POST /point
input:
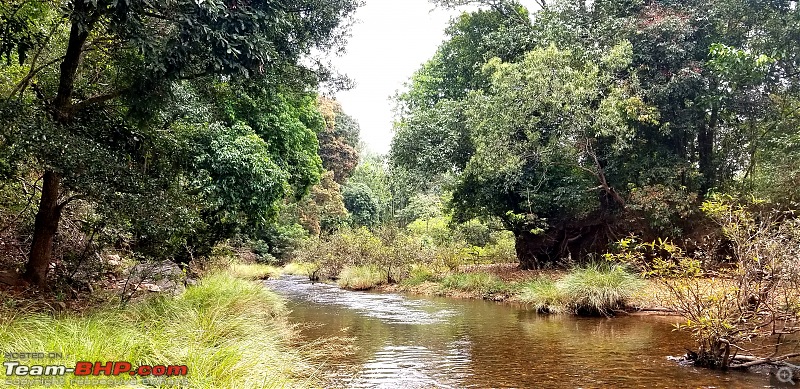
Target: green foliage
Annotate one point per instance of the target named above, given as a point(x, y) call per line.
point(419, 274)
point(362, 205)
point(666, 209)
point(431, 140)
point(521, 164)
point(372, 172)
point(659, 258)
point(178, 124)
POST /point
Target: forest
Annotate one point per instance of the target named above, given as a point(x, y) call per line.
point(601, 150)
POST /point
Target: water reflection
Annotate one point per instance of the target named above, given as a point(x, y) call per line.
point(406, 342)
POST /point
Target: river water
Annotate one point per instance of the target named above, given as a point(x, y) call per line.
point(429, 342)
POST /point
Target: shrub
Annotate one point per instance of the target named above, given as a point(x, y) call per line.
point(598, 289)
point(361, 277)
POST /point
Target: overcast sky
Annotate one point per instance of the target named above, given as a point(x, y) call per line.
point(391, 39)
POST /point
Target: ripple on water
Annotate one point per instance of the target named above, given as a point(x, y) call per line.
point(388, 307)
point(413, 367)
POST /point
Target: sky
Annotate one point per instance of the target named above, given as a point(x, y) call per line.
point(390, 40)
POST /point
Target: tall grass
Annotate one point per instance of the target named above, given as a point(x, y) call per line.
point(482, 283)
point(306, 269)
point(361, 277)
point(597, 289)
point(542, 295)
point(231, 333)
point(254, 271)
point(419, 274)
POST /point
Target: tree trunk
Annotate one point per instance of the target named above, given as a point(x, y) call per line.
point(45, 229)
point(574, 239)
point(49, 213)
point(535, 251)
point(705, 148)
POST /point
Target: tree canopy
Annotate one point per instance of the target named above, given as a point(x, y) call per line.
point(196, 112)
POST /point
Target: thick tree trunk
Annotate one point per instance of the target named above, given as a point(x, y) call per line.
point(45, 228)
point(574, 239)
point(49, 213)
point(533, 251)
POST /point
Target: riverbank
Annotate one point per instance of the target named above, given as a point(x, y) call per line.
point(620, 291)
point(226, 329)
point(506, 283)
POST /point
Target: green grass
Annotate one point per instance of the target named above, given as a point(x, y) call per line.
point(301, 268)
point(254, 271)
point(231, 333)
point(482, 283)
point(598, 289)
point(361, 277)
point(542, 295)
point(420, 274)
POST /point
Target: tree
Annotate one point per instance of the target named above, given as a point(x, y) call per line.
point(702, 103)
point(323, 210)
point(101, 95)
point(372, 171)
point(431, 140)
point(338, 141)
point(543, 165)
point(362, 205)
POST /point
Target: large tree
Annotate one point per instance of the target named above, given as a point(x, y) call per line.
point(97, 104)
point(708, 100)
point(431, 141)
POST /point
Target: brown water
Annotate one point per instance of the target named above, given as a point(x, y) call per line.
point(416, 342)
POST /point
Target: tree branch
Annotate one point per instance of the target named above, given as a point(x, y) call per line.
point(96, 100)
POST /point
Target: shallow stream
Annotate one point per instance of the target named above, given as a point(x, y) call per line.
point(431, 342)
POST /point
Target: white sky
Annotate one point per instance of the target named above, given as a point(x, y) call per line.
point(390, 40)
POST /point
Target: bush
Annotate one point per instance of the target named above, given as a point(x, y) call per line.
point(361, 277)
point(598, 289)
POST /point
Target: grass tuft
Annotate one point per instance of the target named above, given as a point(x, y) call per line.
point(598, 289)
point(361, 277)
point(254, 271)
point(305, 269)
point(419, 274)
point(231, 333)
point(483, 283)
point(542, 295)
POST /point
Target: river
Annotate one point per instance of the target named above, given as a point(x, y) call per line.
point(430, 342)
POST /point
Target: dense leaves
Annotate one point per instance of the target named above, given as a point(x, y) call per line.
point(179, 122)
point(602, 117)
